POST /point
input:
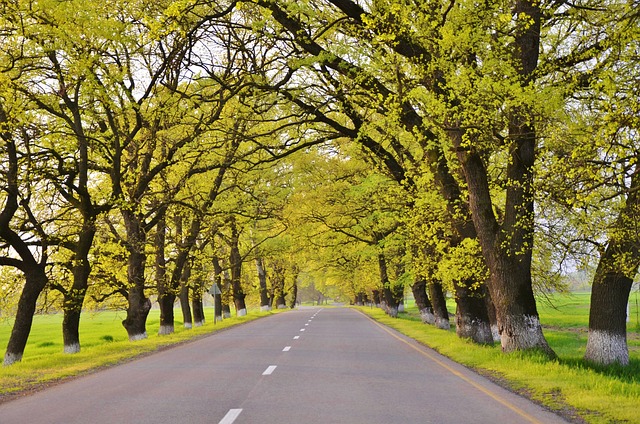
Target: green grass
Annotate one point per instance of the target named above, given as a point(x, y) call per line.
point(104, 342)
point(594, 394)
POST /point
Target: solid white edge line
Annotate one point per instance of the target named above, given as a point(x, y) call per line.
point(270, 369)
point(231, 416)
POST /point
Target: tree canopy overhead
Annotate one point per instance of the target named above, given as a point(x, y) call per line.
point(367, 146)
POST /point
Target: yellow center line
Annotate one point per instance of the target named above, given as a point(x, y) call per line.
point(457, 373)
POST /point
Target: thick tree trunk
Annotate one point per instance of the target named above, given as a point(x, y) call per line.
point(227, 295)
point(377, 298)
point(491, 310)
point(507, 246)
point(139, 305)
point(265, 302)
point(34, 273)
point(419, 290)
point(35, 281)
point(612, 282)
point(197, 305)
point(277, 285)
point(198, 309)
point(294, 293)
point(187, 318)
point(439, 305)
point(166, 296)
point(74, 298)
point(607, 342)
point(217, 299)
point(472, 319)
point(391, 303)
point(235, 261)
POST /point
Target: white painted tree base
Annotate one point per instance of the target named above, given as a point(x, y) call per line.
point(282, 306)
point(478, 331)
point(443, 324)
point(187, 325)
point(72, 348)
point(265, 308)
point(242, 312)
point(427, 316)
point(12, 358)
point(401, 307)
point(495, 332)
point(227, 314)
point(523, 333)
point(198, 323)
point(393, 312)
point(165, 329)
point(604, 348)
point(137, 337)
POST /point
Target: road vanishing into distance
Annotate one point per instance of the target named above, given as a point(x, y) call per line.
point(310, 365)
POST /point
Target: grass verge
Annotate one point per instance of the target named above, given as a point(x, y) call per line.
point(104, 343)
point(576, 390)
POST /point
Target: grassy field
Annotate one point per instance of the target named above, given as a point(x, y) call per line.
point(568, 385)
point(104, 342)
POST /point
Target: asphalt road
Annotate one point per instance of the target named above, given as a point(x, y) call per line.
point(306, 366)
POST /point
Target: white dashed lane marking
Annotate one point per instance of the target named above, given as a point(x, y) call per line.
point(270, 369)
point(231, 416)
point(286, 349)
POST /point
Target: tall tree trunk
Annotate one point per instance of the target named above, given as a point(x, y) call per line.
point(294, 293)
point(391, 303)
point(265, 302)
point(184, 296)
point(227, 294)
point(235, 261)
point(472, 318)
point(277, 284)
point(612, 282)
point(507, 247)
point(166, 296)
point(34, 272)
point(35, 281)
point(377, 301)
point(217, 299)
point(74, 298)
point(439, 303)
point(419, 290)
point(138, 305)
point(196, 300)
point(491, 310)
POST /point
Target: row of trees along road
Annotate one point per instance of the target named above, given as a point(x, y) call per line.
point(152, 148)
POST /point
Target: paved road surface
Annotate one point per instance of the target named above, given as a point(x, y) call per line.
point(306, 366)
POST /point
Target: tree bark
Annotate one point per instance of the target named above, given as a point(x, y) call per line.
point(612, 282)
point(217, 299)
point(139, 305)
point(235, 261)
point(278, 284)
point(34, 272)
point(419, 290)
point(265, 302)
point(74, 298)
point(439, 305)
point(472, 318)
point(185, 288)
point(35, 281)
point(166, 296)
point(391, 303)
